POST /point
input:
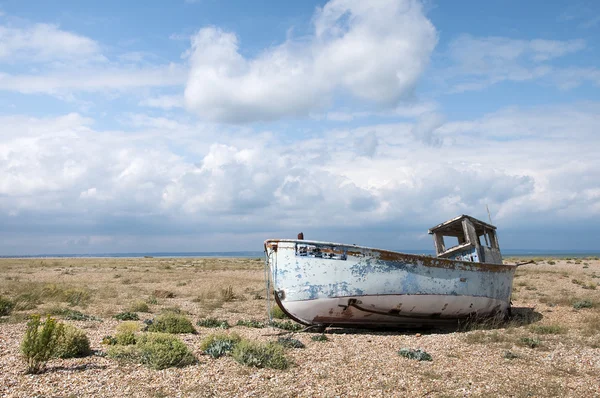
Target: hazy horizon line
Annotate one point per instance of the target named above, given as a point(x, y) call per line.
point(258, 253)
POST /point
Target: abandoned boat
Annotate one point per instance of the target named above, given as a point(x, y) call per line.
point(334, 284)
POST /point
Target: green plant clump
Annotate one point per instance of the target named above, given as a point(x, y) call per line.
point(126, 333)
point(139, 306)
point(6, 306)
point(72, 315)
point(127, 316)
point(583, 304)
point(219, 344)
point(260, 355)
point(109, 340)
point(129, 353)
point(161, 351)
point(319, 337)
point(213, 323)
point(252, 323)
point(289, 342)
point(548, 329)
point(417, 354)
point(73, 343)
point(171, 323)
point(531, 342)
point(287, 325)
point(155, 350)
point(278, 313)
point(40, 342)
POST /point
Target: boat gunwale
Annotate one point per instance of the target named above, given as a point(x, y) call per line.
point(437, 262)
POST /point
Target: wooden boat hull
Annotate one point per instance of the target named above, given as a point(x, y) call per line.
point(322, 283)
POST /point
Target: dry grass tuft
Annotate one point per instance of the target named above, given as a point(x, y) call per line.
point(159, 293)
point(548, 329)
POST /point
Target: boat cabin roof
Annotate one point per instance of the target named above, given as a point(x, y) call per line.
point(454, 226)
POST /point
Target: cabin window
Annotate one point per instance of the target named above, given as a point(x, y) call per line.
point(450, 241)
point(484, 240)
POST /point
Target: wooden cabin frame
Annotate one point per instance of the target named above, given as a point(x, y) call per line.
point(477, 240)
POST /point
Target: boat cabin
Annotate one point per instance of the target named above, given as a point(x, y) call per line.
point(466, 238)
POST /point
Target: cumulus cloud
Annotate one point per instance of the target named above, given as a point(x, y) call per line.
point(374, 52)
point(71, 177)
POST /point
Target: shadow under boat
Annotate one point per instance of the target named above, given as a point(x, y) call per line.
point(519, 316)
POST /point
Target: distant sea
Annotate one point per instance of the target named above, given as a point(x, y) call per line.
point(255, 254)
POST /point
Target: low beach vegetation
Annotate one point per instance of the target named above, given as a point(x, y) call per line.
point(155, 350)
point(127, 316)
point(171, 323)
point(287, 325)
point(548, 329)
point(319, 337)
point(72, 343)
point(290, 342)
point(40, 342)
point(126, 331)
point(251, 323)
point(417, 354)
point(70, 314)
point(278, 313)
point(6, 306)
point(260, 355)
point(531, 342)
point(213, 323)
point(139, 306)
point(219, 344)
point(583, 304)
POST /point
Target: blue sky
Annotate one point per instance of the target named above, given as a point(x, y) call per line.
point(212, 125)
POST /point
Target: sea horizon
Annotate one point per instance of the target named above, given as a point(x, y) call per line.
point(255, 254)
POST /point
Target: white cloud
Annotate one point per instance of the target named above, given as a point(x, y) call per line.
point(568, 78)
point(94, 80)
point(484, 53)
point(45, 42)
point(159, 123)
point(478, 62)
point(528, 165)
point(164, 102)
point(408, 110)
point(42, 58)
point(544, 50)
point(374, 52)
point(425, 128)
